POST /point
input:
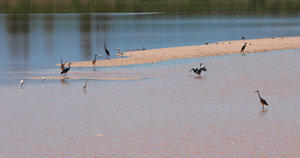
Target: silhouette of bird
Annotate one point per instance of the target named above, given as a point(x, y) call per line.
point(94, 61)
point(198, 71)
point(244, 46)
point(243, 37)
point(106, 51)
point(85, 85)
point(65, 71)
point(262, 101)
point(21, 82)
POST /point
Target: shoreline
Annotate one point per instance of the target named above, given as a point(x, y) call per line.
point(213, 49)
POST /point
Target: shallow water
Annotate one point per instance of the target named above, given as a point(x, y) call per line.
point(168, 113)
point(35, 42)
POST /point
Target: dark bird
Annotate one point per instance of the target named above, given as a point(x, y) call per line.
point(106, 51)
point(144, 48)
point(22, 82)
point(244, 46)
point(243, 37)
point(262, 101)
point(65, 71)
point(85, 85)
point(198, 71)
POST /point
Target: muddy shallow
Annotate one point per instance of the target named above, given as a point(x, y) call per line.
point(168, 112)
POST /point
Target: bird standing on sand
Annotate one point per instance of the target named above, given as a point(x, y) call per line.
point(106, 51)
point(244, 46)
point(65, 71)
point(262, 101)
point(21, 82)
point(198, 71)
point(94, 61)
point(85, 85)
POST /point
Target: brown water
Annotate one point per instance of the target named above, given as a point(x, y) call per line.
point(168, 113)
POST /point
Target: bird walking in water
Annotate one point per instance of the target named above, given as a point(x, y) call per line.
point(262, 101)
point(65, 71)
point(198, 71)
point(84, 87)
point(22, 82)
point(62, 67)
point(43, 78)
point(106, 51)
point(244, 46)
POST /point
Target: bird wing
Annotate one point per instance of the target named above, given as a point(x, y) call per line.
point(203, 68)
point(264, 101)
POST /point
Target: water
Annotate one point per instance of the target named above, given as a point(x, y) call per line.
point(169, 112)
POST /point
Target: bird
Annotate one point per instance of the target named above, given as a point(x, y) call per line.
point(21, 82)
point(84, 87)
point(61, 65)
point(94, 61)
point(243, 37)
point(106, 51)
point(120, 53)
point(43, 78)
point(198, 71)
point(144, 48)
point(262, 101)
point(244, 46)
point(65, 71)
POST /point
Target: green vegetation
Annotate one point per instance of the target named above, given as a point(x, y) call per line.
point(283, 7)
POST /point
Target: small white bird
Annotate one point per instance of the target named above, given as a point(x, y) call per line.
point(44, 78)
point(21, 83)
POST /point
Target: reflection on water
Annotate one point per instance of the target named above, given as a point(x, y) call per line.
point(169, 113)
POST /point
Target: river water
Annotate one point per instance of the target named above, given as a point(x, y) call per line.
point(169, 112)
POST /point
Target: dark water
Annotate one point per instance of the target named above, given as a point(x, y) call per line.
point(38, 41)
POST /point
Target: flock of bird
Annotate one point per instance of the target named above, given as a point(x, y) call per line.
point(196, 70)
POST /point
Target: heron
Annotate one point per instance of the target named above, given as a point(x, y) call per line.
point(262, 101)
point(21, 82)
point(62, 67)
point(65, 71)
point(244, 46)
point(198, 71)
point(94, 61)
point(106, 51)
point(85, 85)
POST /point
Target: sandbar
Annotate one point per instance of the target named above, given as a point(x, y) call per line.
point(206, 50)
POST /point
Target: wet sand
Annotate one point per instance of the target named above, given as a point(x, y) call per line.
point(213, 49)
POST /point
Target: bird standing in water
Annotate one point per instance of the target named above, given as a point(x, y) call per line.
point(22, 82)
point(84, 88)
point(262, 101)
point(106, 51)
point(244, 46)
point(62, 67)
point(65, 71)
point(198, 71)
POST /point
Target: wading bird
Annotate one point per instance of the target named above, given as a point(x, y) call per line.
point(84, 87)
point(244, 46)
point(21, 83)
point(43, 78)
point(106, 51)
point(198, 71)
point(62, 67)
point(65, 71)
point(120, 53)
point(262, 101)
point(94, 61)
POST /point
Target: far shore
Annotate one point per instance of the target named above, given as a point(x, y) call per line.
point(212, 49)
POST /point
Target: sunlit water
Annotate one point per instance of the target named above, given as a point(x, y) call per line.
point(168, 113)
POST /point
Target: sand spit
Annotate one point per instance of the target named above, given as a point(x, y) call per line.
point(213, 49)
point(89, 78)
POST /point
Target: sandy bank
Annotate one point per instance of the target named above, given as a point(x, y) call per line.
point(213, 49)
